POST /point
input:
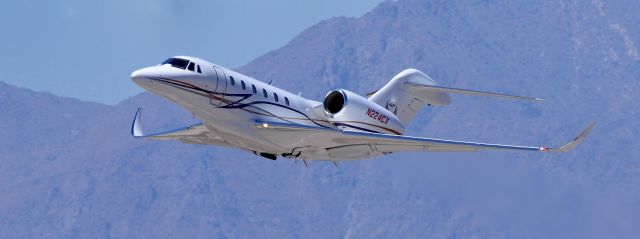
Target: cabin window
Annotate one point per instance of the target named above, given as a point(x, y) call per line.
point(191, 66)
point(243, 85)
point(233, 81)
point(286, 101)
point(275, 96)
point(199, 71)
point(254, 88)
point(264, 92)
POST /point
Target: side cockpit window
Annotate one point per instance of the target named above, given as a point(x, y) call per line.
point(182, 64)
point(177, 63)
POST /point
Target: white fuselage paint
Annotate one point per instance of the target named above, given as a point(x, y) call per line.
point(231, 111)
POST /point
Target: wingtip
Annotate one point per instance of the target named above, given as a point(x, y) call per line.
point(573, 143)
point(135, 125)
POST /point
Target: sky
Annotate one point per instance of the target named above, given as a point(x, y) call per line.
point(87, 49)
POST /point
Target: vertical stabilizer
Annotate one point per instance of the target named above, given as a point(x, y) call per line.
point(405, 101)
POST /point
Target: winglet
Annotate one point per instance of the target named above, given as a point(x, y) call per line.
point(573, 143)
point(136, 130)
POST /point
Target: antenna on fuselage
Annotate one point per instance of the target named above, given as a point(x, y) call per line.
point(271, 81)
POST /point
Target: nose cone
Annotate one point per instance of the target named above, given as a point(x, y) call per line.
point(142, 76)
point(136, 75)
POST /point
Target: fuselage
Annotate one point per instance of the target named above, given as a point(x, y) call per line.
point(230, 104)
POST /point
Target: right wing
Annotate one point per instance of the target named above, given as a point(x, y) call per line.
point(191, 134)
point(386, 143)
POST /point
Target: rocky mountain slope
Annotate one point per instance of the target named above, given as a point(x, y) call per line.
point(69, 169)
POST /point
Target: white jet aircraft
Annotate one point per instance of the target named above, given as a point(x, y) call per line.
point(239, 111)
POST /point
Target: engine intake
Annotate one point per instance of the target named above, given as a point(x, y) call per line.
point(334, 102)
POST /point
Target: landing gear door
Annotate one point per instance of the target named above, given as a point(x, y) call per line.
point(221, 87)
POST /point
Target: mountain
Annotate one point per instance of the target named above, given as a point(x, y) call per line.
point(69, 169)
point(581, 57)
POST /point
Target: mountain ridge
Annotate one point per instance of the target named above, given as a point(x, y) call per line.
point(82, 175)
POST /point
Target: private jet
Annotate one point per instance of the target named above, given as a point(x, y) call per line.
point(242, 112)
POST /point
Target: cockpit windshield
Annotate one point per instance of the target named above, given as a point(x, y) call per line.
point(177, 62)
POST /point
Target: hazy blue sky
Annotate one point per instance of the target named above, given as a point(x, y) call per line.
point(87, 48)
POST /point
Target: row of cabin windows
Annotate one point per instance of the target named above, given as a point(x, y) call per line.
point(255, 90)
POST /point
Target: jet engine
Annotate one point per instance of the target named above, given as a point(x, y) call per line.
point(348, 110)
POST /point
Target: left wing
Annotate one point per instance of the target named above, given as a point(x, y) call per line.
point(386, 143)
point(191, 134)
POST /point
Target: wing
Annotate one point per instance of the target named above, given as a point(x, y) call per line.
point(385, 143)
point(191, 134)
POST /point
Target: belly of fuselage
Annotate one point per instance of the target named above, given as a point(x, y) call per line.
point(235, 125)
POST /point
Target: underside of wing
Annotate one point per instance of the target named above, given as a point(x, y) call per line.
point(191, 134)
point(355, 143)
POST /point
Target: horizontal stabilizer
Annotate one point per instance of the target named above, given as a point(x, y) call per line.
point(434, 88)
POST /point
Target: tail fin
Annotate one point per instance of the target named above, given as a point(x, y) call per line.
point(410, 90)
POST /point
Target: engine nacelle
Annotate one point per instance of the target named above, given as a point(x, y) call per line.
point(346, 109)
